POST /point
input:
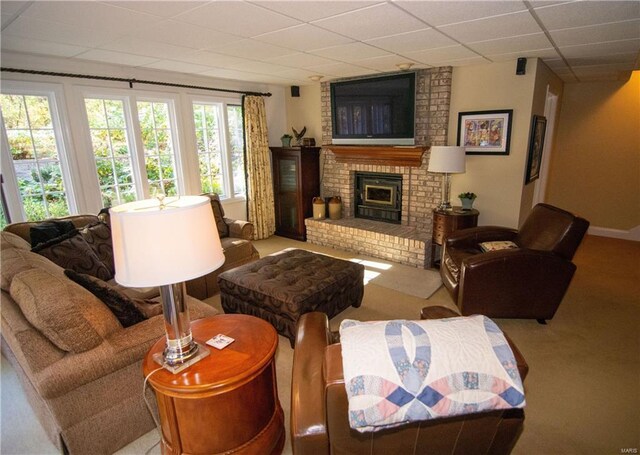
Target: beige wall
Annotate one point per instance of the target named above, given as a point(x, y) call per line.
point(595, 166)
point(546, 80)
point(305, 110)
point(497, 179)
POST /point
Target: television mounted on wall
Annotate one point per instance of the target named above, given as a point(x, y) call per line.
point(376, 110)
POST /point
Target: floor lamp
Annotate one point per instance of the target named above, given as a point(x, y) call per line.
point(165, 243)
point(446, 159)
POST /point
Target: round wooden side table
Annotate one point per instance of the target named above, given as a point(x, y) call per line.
point(229, 400)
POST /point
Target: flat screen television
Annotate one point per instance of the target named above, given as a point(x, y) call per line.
point(377, 110)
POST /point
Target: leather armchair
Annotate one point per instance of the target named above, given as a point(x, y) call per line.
point(319, 408)
point(527, 282)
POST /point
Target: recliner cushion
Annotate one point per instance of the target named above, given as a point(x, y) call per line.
point(236, 249)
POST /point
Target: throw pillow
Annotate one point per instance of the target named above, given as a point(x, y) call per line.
point(120, 305)
point(71, 251)
point(98, 236)
point(49, 230)
point(497, 245)
point(69, 316)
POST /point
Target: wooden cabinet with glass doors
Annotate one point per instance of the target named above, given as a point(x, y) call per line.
point(296, 181)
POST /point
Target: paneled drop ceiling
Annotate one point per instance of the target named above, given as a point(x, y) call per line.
point(286, 42)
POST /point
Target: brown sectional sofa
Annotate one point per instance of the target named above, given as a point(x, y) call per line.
point(80, 369)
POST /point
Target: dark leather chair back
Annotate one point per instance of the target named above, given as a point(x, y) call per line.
point(548, 228)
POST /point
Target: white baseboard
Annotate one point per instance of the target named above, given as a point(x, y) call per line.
point(631, 234)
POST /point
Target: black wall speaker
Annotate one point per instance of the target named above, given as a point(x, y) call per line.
point(295, 91)
point(520, 67)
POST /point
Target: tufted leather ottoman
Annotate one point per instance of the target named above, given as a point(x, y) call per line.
point(281, 287)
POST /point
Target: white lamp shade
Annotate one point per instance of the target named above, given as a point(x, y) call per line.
point(447, 158)
point(154, 246)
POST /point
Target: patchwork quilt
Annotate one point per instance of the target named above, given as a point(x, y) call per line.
point(404, 371)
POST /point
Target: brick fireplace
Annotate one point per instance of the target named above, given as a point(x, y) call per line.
point(409, 241)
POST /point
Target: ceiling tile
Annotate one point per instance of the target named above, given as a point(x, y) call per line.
point(238, 18)
point(601, 49)
point(32, 46)
point(372, 22)
point(308, 11)
point(388, 63)
point(597, 33)
point(158, 8)
point(180, 67)
point(29, 27)
point(146, 47)
point(183, 34)
point(211, 59)
point(231, 74)
point(493, 28)
point(436, 13)
point(297, 74)
point(98, 17)
point(258, 67)
point(10, 8)
point(541, 53)
point(577, 14)
point(555, 63)
point(300, 59)
point(462, 62)
point(252, 49)
point(603, 59)
point(442, 54)
point(304, 37)
point(340, 70)
point(119, 58)
point(350, 52)
point(513, 44)
point(412, 41)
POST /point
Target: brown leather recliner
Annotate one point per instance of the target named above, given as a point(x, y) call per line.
point(319, 408)
point(527, 282)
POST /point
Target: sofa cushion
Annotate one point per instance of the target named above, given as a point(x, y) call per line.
point(98, 236)
point(120, 305)
point(236, 249)
point(16, 260)
point(71, 251)
point(68, 315)
point(9, 240)
point(49, 230)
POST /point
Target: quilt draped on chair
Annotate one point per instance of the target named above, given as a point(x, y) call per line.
point(260, 205)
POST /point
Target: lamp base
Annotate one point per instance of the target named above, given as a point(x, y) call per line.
point(201, 353)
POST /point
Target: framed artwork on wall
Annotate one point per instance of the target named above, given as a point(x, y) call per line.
point(536, 145)
point(485, 132)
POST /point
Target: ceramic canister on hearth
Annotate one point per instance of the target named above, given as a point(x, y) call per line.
point(335, 208)
point(319, 208)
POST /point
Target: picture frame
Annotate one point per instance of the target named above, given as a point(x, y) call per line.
point(485, 132)
point(536, 147)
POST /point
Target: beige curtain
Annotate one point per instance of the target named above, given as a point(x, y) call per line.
point(260, 205)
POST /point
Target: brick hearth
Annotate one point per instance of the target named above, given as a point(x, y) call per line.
point(403, 244)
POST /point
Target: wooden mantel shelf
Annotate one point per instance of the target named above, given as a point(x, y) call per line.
point(385, 155)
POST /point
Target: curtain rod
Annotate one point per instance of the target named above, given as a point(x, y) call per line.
point(130, 81)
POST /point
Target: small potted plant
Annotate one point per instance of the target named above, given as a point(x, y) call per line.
point(286, 140)
point(467, 200)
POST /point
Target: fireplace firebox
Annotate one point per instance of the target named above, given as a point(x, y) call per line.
point(378, 196)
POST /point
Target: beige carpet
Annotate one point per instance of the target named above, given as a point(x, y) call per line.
point(583, 386)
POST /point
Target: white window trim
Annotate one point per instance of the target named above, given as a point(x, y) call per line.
point(134, 139)
point(59, 120)
point(221, 103)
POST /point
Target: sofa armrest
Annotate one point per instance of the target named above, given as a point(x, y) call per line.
point(308, 423)
point(471, 237)
point(121, 349)
point(240, 229)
